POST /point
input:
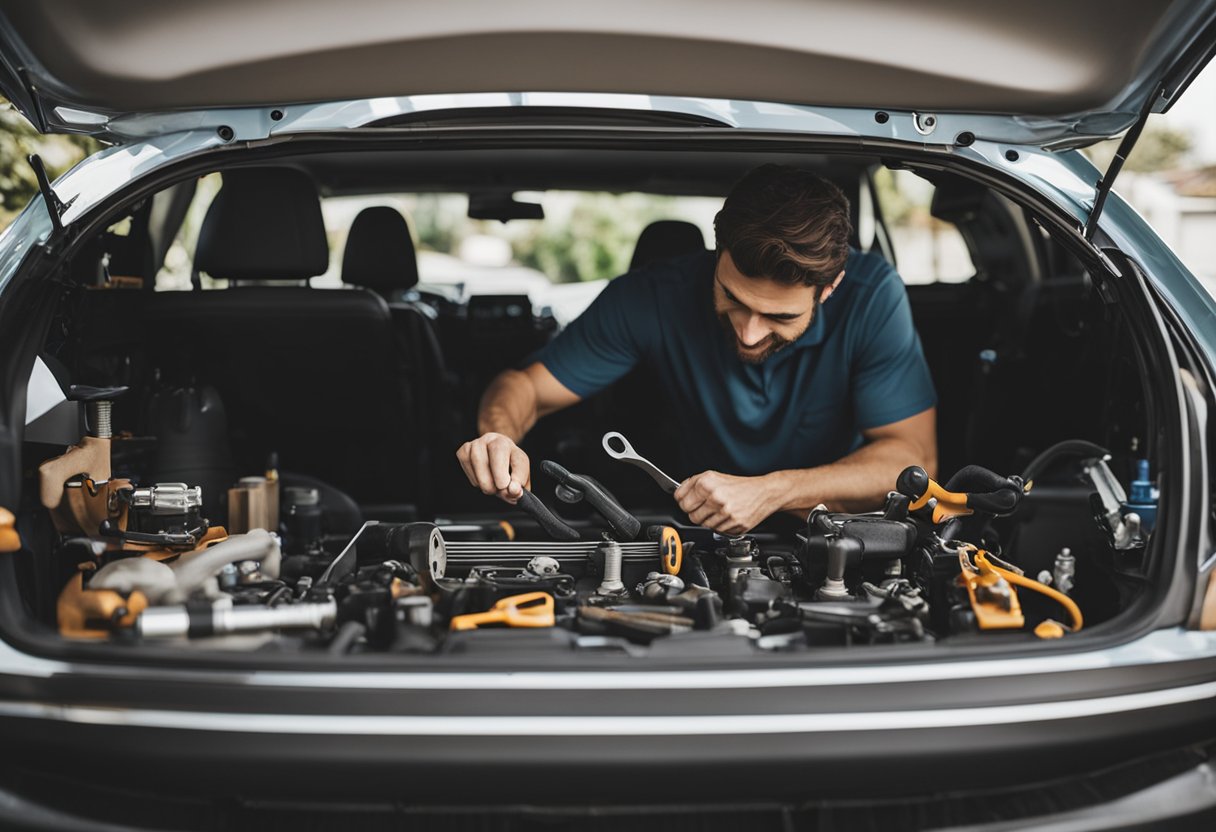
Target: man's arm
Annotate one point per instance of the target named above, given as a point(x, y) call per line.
point(857, 482)
point(512, 403)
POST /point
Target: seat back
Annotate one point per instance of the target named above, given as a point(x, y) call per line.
point(312, 374)
point(664, 239)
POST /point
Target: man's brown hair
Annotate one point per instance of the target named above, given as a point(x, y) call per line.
point(787, 225)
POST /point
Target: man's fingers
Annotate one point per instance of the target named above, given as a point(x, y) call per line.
point(501, 459)
point(702, 513)
point(719, 522)
point(466, 462)
point(521, 471)
point(480, 459)
point(689, 486)
point(690, 503)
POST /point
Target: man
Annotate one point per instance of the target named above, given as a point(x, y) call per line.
point(796, 373)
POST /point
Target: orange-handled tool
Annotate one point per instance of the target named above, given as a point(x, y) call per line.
point(531, 609)
point(671, 550)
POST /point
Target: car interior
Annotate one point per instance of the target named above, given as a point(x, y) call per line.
point(330, 417)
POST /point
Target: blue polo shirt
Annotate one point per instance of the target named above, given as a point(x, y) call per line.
point(859, 365)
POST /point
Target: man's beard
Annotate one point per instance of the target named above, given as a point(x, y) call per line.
point(772, 343)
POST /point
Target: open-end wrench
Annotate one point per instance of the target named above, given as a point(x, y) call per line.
point(618, 447)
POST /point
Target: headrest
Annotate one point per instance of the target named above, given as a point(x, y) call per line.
point(663, 239)
point(264, 224)
point(379, 252)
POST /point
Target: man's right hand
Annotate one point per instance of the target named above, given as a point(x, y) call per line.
point(496, 465)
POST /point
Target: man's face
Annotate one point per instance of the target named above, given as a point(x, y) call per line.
point(762, 315)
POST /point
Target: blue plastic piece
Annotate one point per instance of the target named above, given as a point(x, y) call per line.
point(1142, 499)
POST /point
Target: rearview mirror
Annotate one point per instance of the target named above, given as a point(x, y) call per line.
point(503, 207)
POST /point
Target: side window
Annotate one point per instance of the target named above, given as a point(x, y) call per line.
point(174, 274)
point(927, 250)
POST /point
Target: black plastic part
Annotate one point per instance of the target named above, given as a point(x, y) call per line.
point(912, 482)
point(550, 522)
point(623, 524)
point(986, 490)
point(84, 393)
point(404, 542)
point(54, 205)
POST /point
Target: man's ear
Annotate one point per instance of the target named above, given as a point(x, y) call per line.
point(831, 287)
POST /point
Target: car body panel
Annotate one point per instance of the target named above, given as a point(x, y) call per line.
point(1071, 72)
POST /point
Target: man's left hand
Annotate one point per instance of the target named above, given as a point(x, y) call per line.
point(728, 505)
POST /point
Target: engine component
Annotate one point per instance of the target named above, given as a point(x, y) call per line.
point(971, 489)
point(192, 572)
point(88, 613)
point(994, 602)
point(659, 587)
point(253, 504)
point(611, 585)
point(543, 566)
point(641, 625)
point(1143, 499)
point(841, 542)
point(302, 519)
point(532, 609)
point(10, 541)
point(1064, 570)
point(168, 511)
point(1109, 502)
point(869, 620)
point(421, 545)
point(220, 617)
point(979, 564)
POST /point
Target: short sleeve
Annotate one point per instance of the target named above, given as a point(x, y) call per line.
point(607, 340)
point(891, 380)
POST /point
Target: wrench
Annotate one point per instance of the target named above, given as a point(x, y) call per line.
point(625, 453)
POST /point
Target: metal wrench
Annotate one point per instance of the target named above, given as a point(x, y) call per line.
point(625, 453)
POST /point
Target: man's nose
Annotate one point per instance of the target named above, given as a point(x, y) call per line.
point(753, 331)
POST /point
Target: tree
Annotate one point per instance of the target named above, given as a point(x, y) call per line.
point(1159, 148)
point(18, 139)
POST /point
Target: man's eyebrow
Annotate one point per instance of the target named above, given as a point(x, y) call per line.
point(776, 316)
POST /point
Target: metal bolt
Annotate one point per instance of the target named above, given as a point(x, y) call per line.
point(100, 415)
point(611, 585)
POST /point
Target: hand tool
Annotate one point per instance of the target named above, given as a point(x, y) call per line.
point(618, 447)
point(574, 488)
point(532, 609)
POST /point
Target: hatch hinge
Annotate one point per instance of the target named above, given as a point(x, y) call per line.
point(54, 205)
point(1116, 164)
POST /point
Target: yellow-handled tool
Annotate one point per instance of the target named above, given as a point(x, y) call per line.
point(671, 550)
point(531, 609)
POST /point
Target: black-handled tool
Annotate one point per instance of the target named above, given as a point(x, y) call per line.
point(573, 488)
point(550, 522)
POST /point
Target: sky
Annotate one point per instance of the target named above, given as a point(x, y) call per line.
point(1195, 112)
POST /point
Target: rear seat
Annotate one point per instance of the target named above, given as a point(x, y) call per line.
point(315, 375)
point(664, 239)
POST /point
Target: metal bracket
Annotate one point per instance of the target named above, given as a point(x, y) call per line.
point(1116, 164)
point(54, 205)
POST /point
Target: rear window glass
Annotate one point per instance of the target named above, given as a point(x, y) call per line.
point(927, 249)
point(583, 237)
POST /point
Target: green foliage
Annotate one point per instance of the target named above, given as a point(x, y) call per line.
point(584, 236)
point(596, 243)
point(18, 139)
point(1159, 148)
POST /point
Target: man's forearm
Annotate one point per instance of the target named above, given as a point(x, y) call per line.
point(508, 406)
point(857, 482)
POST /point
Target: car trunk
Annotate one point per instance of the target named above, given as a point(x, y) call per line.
point(1042, 347)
